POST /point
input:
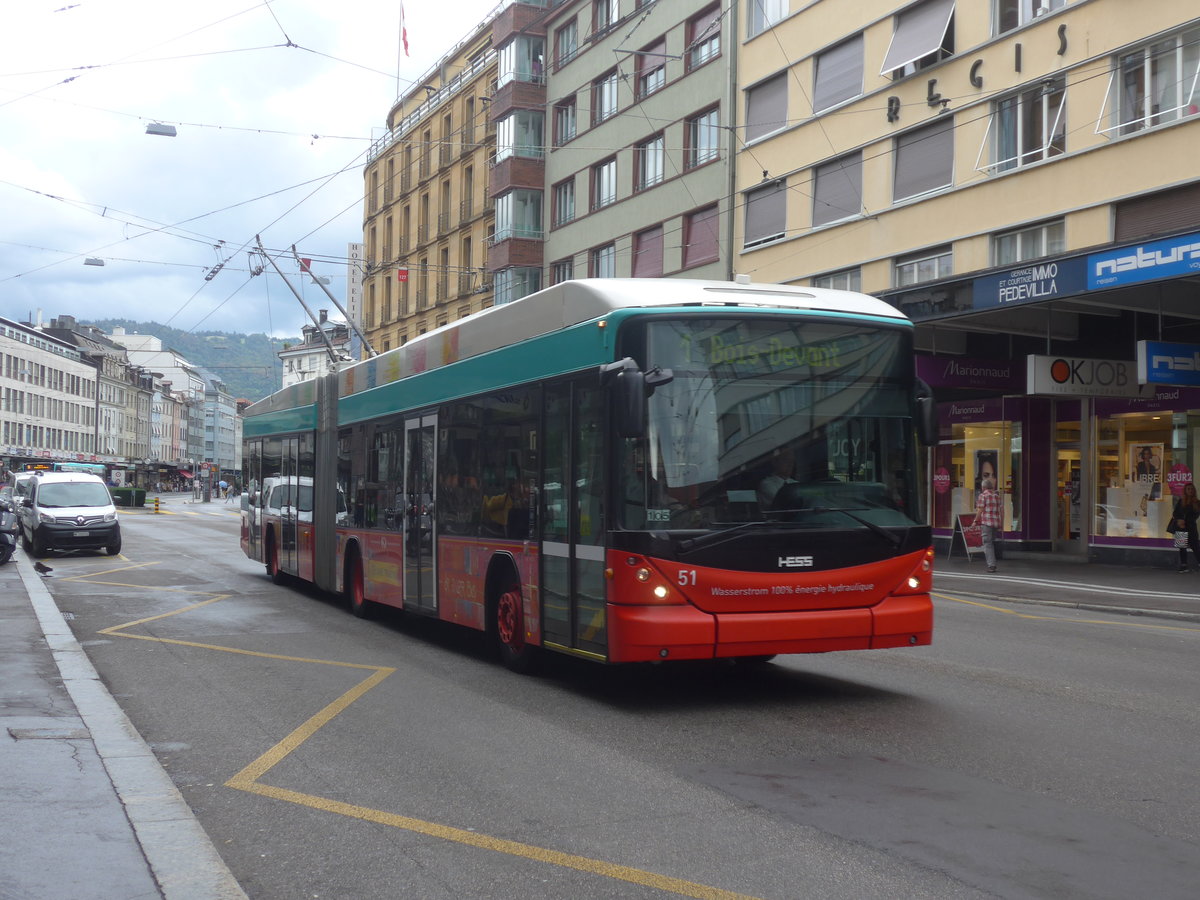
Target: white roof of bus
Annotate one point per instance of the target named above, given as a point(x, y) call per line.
point(584, 300)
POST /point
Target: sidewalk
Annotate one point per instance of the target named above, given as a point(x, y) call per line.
point(1056, 580)
point(89, 812)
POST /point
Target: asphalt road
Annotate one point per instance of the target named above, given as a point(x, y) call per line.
point(1030, 752)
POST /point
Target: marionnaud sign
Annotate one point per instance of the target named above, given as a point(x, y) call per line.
point(1071, 376)
point(1162, 363)
point(1145, 262)
point(1029, 284)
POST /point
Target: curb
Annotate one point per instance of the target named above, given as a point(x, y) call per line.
point(179, 852)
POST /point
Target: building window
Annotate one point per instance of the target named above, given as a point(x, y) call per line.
point(924, 35)
point(766, 107)
point(648, 253)
point(845, 280)
point(521, 134)
point(1157, 84)
point(521, 59)
point(838, 74)
point(1034, 242)
point(604, 261)
point(605, 14)
point(700, 237)
point(765, 13)
point(604, 97)
point(766, 213)
point(564, 121)
point(648, 157)
point(564, 201)
point(604, 183)
point(566, 43)
point(1012, 14)
point(652, 68)
point(519, 215)
point(1029, 127)
point(837, 189)
point(701, 137)
point(515, 283)
point(928, 265)
point(563, 270)
point(703, 37)
point(924, 159)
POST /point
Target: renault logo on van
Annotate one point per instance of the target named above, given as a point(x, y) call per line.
point(79, 520)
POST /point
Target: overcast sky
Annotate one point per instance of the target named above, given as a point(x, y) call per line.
point(271, 141)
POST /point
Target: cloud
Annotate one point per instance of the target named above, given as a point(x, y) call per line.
point(271, 141)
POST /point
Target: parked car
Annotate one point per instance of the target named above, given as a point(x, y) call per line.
point(67, 511)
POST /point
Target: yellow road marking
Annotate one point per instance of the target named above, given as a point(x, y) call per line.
point(248, 779)
point(1045, 618)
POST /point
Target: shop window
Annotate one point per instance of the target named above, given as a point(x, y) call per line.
point(1143, 460)
point(975, 451)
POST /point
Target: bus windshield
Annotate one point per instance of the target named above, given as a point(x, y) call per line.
point(774, 420)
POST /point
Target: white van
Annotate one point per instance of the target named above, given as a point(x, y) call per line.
point(67, 511)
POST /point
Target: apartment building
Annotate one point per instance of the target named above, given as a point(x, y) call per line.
point(638, 108)
point(428, 215)
point(1019, 176)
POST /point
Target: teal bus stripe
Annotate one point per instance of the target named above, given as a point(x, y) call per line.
point(300, 418)
point(545, 356)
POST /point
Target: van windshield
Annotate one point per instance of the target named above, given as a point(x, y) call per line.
point(73, 493)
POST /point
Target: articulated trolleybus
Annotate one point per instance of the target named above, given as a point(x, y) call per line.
point(620, 469)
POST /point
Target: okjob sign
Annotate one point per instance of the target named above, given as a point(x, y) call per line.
point(1167, 258)
point(1071, 376)
point(1029, 284)
point(1163, 363)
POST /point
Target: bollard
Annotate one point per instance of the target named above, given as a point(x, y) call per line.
point(156, 506)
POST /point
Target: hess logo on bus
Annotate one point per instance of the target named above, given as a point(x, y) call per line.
point(795, 562)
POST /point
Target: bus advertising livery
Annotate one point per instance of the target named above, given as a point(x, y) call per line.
point(624, 470)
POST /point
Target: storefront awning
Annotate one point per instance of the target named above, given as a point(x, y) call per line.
point(185, 474)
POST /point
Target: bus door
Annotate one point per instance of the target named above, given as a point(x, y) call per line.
point(288, 497)
point(419, 498)
point(573, 490)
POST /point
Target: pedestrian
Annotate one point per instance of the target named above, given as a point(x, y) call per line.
point(988, 518)
point(1183, 518)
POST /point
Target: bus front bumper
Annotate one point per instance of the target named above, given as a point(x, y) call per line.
point(659, 633)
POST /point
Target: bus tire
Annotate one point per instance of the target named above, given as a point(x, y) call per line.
point(354, 588)
point(507, 626)
point(273, 571)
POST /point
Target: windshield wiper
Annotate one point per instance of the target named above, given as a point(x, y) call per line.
point(716, 537)
point(895, 539)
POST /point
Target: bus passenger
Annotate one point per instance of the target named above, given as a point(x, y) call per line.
point(783, 468)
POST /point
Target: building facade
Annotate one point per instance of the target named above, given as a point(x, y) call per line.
point(428, 216)
point(322, 349)
point(638, 106)
point(1017, 176)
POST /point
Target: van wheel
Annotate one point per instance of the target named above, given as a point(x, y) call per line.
point(355, 590)
point(37, 546)
point(114, 548)
point(508, 630)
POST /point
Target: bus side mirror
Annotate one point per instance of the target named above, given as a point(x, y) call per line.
point(927, 424)
point(630, 388)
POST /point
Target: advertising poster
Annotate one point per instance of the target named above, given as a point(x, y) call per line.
point(1145, 468)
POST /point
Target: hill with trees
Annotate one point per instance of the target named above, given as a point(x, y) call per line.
point(247, 363)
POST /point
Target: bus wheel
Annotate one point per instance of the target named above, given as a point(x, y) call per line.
point(354, 589)
point(273, 571)
point(509, 631)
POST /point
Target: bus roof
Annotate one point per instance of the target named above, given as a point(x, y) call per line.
point(584, 300)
